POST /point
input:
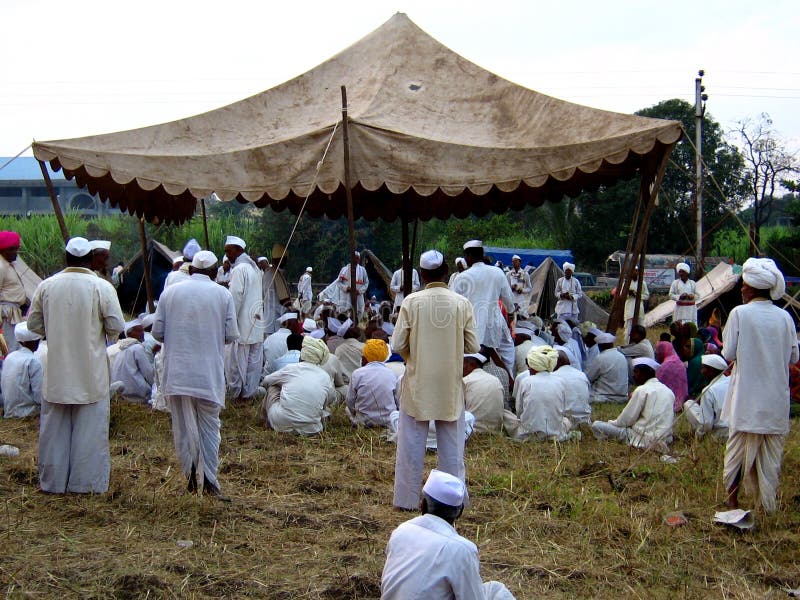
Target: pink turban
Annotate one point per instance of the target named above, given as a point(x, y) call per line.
point(8, 239)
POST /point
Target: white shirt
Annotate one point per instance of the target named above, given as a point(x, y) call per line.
point(541, 403)
point(608, 374)
point(304, 287)
point(577, 389)
point(245, 287)
point(572, 286)
point(195, 320)
point(274, 348)
point(222, 276)
point(305, 389)
point(630, 301)
point(688, 312)
point(133, 368)
point(288, 358)
point(372, 395)
point(483, 397)
point(174, 277)
point(592, 352)
point(21, 383)
point(707, 411)
point(648, 414)
point(427, 559)
point(349, 353)
point(522, 281)
point(483, 286)
point(760, 337)
point(396, 285)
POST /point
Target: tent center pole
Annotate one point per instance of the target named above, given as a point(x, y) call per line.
point(406, 254)
point(54, 199)
point(146, 267)
point(348, 194)
point(205, 223)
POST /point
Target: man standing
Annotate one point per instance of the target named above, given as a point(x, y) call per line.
point(275, 289)
point(396, 285)
point(434, 330)
point(362, 283)
point(684, 292)
point(520, 283)
point(245, 359)
point(630, 302)
point(12, 292)
point(568, 292)
point(304, 292)
point(761, 341)
point(77, 311)
point(101, 253)
point(195, 320)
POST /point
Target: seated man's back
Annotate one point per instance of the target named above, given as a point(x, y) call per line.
point(21, 382)
point(372, 395)
point(483, 395)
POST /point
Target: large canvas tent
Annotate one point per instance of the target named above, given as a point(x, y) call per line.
point(543, 295)
point(131, 291)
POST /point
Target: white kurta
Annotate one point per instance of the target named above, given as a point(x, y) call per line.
point(608, 375)
point(304, 292)
point(133, 368)
point(195, 320)
point(704, 415)
point(685, 310)
point(520, 283)
point(484, 398)
point(372, 395)
point(245, 287)
point(362, 283)
point(273, 284)
point(305, 390)
point(578, 390)
point(568, 308)
point(274, 348)
point(648, 417)
point(349, 352)
point(484, 286)
point(630, 301)
point(541, 404)
point(21, 382)
point(396, 285)
point(174, 277)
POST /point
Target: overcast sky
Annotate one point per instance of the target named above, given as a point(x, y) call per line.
point(84, 67)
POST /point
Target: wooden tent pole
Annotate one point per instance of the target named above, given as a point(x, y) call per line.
point(351, 228)
point(146, 267)
point(406, 252)
point(54, 199)
point(640, 280)
point(205, 223)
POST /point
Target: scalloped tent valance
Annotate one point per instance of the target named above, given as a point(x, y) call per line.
point(430, 134)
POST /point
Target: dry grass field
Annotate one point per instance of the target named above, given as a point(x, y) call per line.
point(310, 518)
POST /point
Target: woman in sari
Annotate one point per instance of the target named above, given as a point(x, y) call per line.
point(672, 373)
point(693, 350)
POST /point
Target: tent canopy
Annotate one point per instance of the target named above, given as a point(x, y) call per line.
point(430, 134)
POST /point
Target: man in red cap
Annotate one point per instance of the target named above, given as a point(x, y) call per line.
point(12, 293)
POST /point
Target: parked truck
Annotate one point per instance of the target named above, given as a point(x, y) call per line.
point(659, 269)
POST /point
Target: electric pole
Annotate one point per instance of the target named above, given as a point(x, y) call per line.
point(699, 110)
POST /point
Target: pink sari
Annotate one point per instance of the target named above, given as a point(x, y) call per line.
point(672, 373)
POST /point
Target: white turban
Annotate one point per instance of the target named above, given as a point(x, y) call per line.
point(683, 267)
point(564, 331)
point(314, 351)
point(763, 274)
point(542, 358)
point(23, 334)
point(568, 265)
point(715, 361)
point(605, 338)
point(644, 361)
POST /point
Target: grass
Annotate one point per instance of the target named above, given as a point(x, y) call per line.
point(311, 518)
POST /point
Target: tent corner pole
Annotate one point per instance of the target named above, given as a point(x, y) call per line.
point(348, 193)
point(407, 279)
point(205, 223)
point(54, 199)
point(148, 285)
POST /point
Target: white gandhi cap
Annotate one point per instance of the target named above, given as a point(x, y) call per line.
point(445, 488)
point(232, 240)
point(473, 244)
point(204, 259)
point(432, 259)
point(78, 247)
point(100, 245)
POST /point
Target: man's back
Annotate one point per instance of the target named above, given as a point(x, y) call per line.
point(484, 398)
point(372, 395)
point(305, 388)
point(21, 382)
point(484, 286)
point(608, 374)
point(541, 406)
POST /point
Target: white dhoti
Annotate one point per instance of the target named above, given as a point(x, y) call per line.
point(195, 430)
point(494, 590)
point(754, 460)
point(506, 351)
point(410, 457)
point(603, 430)
point(73, 448)
point(8, 334)
point(243, 366)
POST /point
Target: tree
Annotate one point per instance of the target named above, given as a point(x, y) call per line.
point(768, 164)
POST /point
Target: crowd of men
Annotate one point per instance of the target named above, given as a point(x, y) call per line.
point(461, 355)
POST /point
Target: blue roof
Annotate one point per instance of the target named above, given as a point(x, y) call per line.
point(24, 168)
point(532, 256)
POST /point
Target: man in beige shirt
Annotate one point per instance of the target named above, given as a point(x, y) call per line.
point(12, 292)
point(483, 395)
point(75, 309)
point(434, 330)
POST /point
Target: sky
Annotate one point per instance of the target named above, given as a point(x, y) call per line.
point(84, 67)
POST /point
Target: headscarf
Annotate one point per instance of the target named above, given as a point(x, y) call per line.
point(764, 274)
point(8, 239)
point(693, 375)
point(672, 373)
point(682, 266)
point(542, 358)
point(375, 350)
point(314, 351)
point(564, 332)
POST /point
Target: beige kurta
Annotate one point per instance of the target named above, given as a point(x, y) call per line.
point(434, 330)
point(483, 396)
point(12, 292)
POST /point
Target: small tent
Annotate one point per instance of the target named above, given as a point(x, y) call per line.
point(380, 277)
point(30, 280)
point(543, 298)
point(132, 293)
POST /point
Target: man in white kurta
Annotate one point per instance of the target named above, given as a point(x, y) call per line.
point(275, 289)
point(339, 377)
point(75, 309)
point(425, 556)
point(361, 285)
point(578, 391)
point(22, 376)
point(396, 285)
point(372, 395)
point(608, 373)
point(761, 341)
point(630, 303)
point(304, 291)
point(646, 421)
point(12, 292)
point(195, 320)
point(275, 345)
point(350, 350)
point(562, 333)
point(434, 330)
point(132, 366)
point(483, 395)
point(541, 399)
point(520, 283)
point(568, 291)
point(684, 292)
point(705, 413)
point(245, 355)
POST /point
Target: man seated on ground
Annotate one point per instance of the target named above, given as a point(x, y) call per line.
point(372, 395)
point(541, 400)
point(132, 367)
point(525, 338)
point(483, 395)
point(646, 421)
point(639, 347)
point(22, 376)
point(332, 328)
point(297, 394)
point(275, 344)
point(608, 373)
point(592, 349)
point(562, 333)
point(578, 389)
point(292, 356)
point(350, 350)
point(339, 377)
point(704, 413)
point(425, 556)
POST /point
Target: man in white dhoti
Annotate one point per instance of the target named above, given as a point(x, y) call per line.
point(434, 329)
point(245, 357)
point(483, 395)
point(22, 376)
point(705, 413)
point(361, 284)
point(520, 283)
point(275, 289)
point(12, 293)
point(195, 320)
point(396, 285)
point(461, 266)
point(608, 373)
point(304, 292)
point(372, 395)
point(630, 302)
point(426, 558)
point(275, 344)
point(760, 339)
point(568, 291)
point(484, 285)
point(75, 309)
point(646, 421)
point(578, 391)
point(684, 292)
point(131, 365)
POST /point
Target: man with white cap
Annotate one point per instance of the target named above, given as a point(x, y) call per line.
point(75, 309)
point(372, 395)
point(483, 285)
point(13, 297)
point(275, 288)
point(630, 302)
point(349, 351)
point(684, 292)
point(22, 376)
point(705, 413)
point(195, 320)
point(101, 253)
point(131, 365)
point(520, 283)
point(425, 556)
point(484, 396)
point(191, 248)
point(760, 339)
point(275, 344)
point(608, 373)
point(434, 329)
point(362, 284)
point(578, 391)
point(224, 273)
point(304, 291)
point(568, 292)
point(525, 338)
point(461, 266)
point(562, 334)
point(245, 357)
point(396, 285)
point(646, 421)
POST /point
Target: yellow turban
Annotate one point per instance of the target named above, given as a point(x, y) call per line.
point(376, 350)
point(314, 351)
point(542, 358)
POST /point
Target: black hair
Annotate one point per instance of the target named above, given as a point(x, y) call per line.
point(430, 505)
point(294, 342)
point(78, 261)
